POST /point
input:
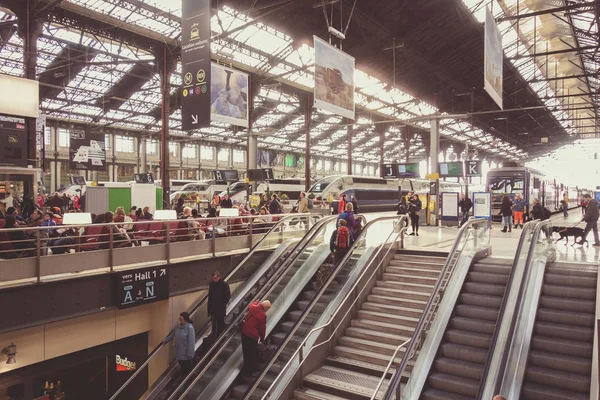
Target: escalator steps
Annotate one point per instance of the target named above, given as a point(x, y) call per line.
point(560, 360)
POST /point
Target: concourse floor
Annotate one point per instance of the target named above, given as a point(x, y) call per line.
point(504, 244)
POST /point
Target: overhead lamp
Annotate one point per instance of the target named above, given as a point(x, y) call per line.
point(11, 352)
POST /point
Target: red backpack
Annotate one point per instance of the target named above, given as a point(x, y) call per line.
point(343, 238)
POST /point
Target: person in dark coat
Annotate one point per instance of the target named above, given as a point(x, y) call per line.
point(537, 212)
point(218, 297)
point(591, 220)
point(28, 207)
point(465, 205)
point(506, 212)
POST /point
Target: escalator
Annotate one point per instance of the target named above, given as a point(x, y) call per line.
point(299, 302)
point(285, 289)
point(265, 259)
point(457, 370)
point(559, 364)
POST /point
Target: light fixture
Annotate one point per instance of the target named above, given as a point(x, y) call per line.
point(11, 352)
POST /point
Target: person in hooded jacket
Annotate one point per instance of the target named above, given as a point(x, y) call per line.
point(218, 297)
point(253, 333)
point(185, 341)
point(348, 216)
point(506, 212)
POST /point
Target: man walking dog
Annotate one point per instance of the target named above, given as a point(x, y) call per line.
point(591, 220)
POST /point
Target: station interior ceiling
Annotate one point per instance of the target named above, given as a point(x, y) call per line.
point(415, 60)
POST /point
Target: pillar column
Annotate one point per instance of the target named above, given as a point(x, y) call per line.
point(434, 151)
point(251, 153)
point(29, 29)
point(350, 134)
point(166, 65)
point(143, 167)
point(307, 108)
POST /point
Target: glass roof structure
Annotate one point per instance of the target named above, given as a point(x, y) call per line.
point(113, 84)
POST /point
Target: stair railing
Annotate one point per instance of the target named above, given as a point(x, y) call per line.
point(474, 233)
point(397, 233)
point(276, 228)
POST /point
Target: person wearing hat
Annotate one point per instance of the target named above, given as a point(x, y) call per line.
point(253, 333)
point(591, 220)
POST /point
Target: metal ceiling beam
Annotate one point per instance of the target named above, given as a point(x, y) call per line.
point(558, 78)
point(570, 7)
point(551, 53)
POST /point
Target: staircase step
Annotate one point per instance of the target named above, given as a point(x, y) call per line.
point(413, 271)
point(488, 278)
point(397, 301)
point(453, 384)
point(434, 394)
point(561, 346)
point(365, 356)
point(364, 367)
point(533, 391)
point(466, 338)
point(483, 313)
point(561, 362)
point(375, 335)
point(417, 264)
point(464, 369)
point(415, 287)
point(570, 280)
point(482, 300)
point(393, 309)
point(312, 394)
point(558, 379)
point(491, 269)
point(369, 345)
point(589, 271)
point(558, 303)
point(569, 293)
point(378, 326)
point(401, 294)
point(410, 278)
point(578, 333)
point(382, 317)
point(484, 288)
point(319, 307)
point(349, 384)
point(473, 325)
point(464, 353)
point(570, 318)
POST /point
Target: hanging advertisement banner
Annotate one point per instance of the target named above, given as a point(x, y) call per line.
point(493, 57)
point(195, 64)
point(13, 141)
point(334, 80)
point(229, 96)
point(87, 151)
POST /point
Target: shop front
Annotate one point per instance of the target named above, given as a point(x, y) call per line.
point(15, 183)
point(92, 374)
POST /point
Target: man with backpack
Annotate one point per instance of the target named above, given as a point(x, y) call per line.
point(341, 241)
point(303, 204)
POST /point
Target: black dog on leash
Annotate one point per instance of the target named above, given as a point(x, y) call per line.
point(566, 232)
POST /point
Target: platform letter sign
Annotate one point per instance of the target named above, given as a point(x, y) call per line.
point(473, 169)
point(493, 57)
point(142, 286)
point(195, 64)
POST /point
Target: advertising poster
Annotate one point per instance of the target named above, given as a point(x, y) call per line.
point(334, 80)
point(87, 151)
point(482, 205)
point(195, 64)
point(493, 59)
point(13, 142)
point(449, 206)
point(229, 96)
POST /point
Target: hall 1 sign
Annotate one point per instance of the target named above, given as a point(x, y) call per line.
point(195, 64)
point(140, 287)
point(473, 169)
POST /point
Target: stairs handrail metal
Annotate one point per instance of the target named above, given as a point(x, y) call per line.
point(227, 336)
point(494, 386)
point(201, 302)
point(387, 369)
point(299, 351)
point(418, 335)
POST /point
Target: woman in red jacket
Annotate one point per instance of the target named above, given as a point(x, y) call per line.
point(253, 333)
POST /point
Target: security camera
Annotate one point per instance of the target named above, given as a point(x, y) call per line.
point(11, 352)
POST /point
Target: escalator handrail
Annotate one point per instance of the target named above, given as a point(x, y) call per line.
point(417, 334)
point(315, 299)
point(529, 226)
point(223, 339)
point(537, 229)
point(205, 298)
